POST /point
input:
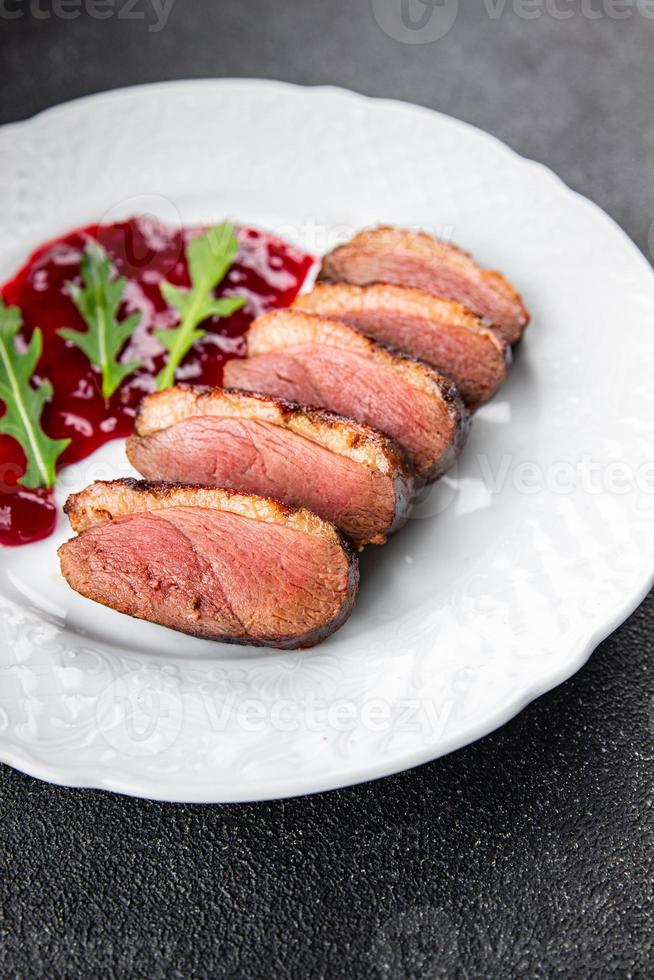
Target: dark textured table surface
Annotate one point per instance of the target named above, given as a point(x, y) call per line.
point(530, 853)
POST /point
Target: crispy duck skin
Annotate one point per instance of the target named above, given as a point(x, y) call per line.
point(414, 258)
point(310, 359)
point(209, 562)
point(439, 331)
point(344, 471)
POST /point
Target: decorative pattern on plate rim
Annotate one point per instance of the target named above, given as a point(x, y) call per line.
point(503, 584)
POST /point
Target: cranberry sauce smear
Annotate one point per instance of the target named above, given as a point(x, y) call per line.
point(267, 271)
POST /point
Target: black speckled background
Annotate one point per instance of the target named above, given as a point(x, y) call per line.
point(528, 854)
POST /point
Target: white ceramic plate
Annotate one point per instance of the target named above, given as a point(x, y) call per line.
point(514, 567)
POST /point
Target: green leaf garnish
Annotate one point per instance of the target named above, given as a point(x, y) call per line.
point(24, 404)
point(98, 301)
point(209, 256)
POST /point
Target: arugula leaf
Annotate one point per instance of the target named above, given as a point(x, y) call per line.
point(209, 256)
point(98, 301)
point(24, 403)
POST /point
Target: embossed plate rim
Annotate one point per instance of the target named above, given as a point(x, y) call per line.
point(183, 789)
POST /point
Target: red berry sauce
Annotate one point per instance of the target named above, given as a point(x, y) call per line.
point(267, 271)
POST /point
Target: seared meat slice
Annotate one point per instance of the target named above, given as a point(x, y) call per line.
point(321, 362)
point(346, 472)
point(414, 258)
point(212, 563)
point(439, 331)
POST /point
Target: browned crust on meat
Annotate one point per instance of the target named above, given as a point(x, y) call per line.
point(422, 245)
point(290, 327)
point(357, 441)
point(102, 502)
point(341, 435)
point(105, 501)
point(340, 298)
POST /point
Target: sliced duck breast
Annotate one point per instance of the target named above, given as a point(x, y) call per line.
point(213, 563)
point(310, 359)
point(342, 470)
point(440, 331)
point(414, 258)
